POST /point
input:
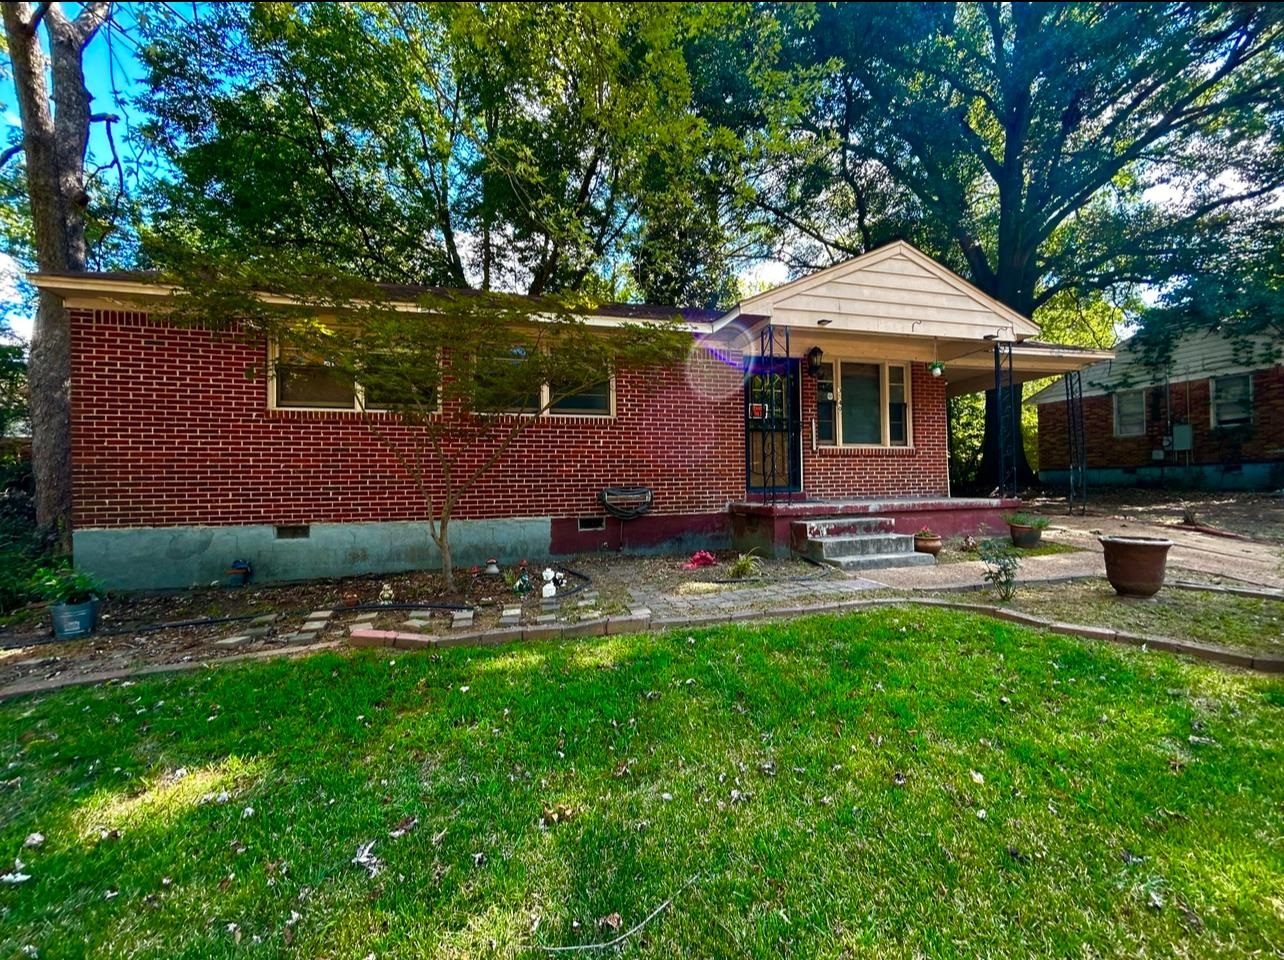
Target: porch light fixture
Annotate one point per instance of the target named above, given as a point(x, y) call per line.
point(815, 356)
point(824, 322)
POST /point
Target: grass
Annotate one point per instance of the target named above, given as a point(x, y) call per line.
point(824, 780)
point(953, 550)
point(1220, 618)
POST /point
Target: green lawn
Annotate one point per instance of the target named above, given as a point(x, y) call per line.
point(825, 781)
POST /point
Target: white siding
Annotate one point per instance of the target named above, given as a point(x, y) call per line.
point(1195, 357)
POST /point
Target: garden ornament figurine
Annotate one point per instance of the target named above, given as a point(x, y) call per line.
point(385, 593)
point(549, 589)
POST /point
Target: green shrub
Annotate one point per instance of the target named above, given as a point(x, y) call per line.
point(65, 585)
point(1028, 520)
point(745, 566)
point(1001, 566)
point(21, 551)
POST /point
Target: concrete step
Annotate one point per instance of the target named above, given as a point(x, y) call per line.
point(876, 561)
point(863, 545)
point(817, 527)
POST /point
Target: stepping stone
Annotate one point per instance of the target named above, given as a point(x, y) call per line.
point(512, 612)
point(238, 641)
point(266, 618)
point(263, 631)
point(312, 626)
point(366, 617)
point(416, 624)
point(546, 618)
point(303, 636)
point(320, 614)
point(586, 603)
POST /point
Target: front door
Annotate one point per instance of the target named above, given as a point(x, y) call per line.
point(773, 425)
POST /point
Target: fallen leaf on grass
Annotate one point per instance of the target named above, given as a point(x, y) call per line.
point(978, 777)
point(403, 828)
point(365, 858)
point(612, 922)
point(33, 840)
point(558, 813)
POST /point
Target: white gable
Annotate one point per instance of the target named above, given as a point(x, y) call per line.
point(894, 290)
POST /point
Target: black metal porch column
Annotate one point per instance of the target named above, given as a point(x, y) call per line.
point(1009, 429)
point(1077, 440)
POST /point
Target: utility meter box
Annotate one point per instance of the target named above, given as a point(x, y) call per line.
point(1183, 438)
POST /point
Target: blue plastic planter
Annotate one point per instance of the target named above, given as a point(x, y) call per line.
point(71, 620)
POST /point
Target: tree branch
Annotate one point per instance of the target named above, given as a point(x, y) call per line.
point(9, 153)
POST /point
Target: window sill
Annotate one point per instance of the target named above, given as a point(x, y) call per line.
point(865, 450)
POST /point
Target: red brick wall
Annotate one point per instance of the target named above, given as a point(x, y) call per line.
point(1263, 441)
point(168, 429)
point(920, 470)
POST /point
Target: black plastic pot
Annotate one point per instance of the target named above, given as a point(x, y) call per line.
point(1023, 536)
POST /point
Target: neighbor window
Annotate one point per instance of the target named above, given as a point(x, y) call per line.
point(1232, 401)
point(1130, 413)
point(860, 403)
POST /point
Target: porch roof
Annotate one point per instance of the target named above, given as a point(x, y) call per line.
point(897, 303)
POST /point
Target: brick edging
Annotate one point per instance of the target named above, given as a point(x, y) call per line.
point(641, 621)
point(22, 687)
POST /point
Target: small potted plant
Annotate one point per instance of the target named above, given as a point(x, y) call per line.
point(925, 541)
point(74, 601)
point(1026, 529)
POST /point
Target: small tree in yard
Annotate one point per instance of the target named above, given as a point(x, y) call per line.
point(438, 377)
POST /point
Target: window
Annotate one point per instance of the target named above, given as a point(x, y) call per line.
point(863, 404)
point(593, 401)
point(1232, 401)
point(306, 381)
point(1130, 413)
point(502, 388)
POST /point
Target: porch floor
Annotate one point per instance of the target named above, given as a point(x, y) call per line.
point(765, 526)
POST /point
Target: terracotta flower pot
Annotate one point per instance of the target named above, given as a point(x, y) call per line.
point(930, 545)
point(1024, 536)
point(1135, 565)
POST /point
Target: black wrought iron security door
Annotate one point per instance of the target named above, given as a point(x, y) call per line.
point(773, 426)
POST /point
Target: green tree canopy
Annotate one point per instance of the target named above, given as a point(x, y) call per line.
point(510, 146)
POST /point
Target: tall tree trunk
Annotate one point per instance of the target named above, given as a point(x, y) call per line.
point(55, 133)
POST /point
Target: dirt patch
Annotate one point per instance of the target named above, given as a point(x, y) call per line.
point(1256, 515)
point(1247, 623)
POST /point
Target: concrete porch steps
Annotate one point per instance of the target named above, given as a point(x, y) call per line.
point(855, 543)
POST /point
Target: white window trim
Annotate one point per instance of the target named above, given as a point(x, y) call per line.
point(358, 393)
point(1212, 401)
point(884, 406)
point(545, 399)
point(1121, 393)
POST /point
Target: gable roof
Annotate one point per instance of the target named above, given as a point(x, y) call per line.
point(1196, 356)
point(897, 290)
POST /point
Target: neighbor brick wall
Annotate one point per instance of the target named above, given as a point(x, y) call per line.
point(168, 429)
point(920, 470)
point(1264, 441)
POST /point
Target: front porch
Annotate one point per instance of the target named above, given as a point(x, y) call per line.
point(774, 529)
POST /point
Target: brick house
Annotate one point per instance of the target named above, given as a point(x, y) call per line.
point(824, 398)
point(1211, 415)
